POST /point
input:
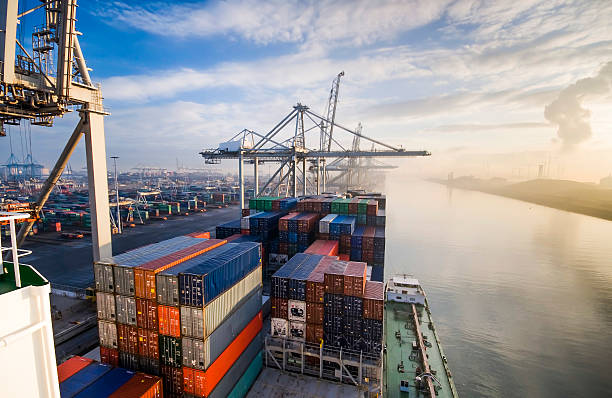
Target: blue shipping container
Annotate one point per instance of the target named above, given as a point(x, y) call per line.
point(80, 380)
point(107, 384)
point(201, 284)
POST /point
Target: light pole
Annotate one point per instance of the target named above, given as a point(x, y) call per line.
point(120, 227)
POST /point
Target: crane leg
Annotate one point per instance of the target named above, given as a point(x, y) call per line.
point(97, 177)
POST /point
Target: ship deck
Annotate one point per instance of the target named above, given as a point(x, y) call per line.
point(398, 317)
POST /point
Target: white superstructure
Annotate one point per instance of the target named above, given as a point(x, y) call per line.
point(405, 290)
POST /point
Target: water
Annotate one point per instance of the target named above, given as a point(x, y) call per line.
point(521, 294)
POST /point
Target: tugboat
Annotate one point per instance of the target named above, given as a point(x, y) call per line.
point(414, 362)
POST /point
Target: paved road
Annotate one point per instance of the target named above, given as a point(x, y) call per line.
point(70, 263)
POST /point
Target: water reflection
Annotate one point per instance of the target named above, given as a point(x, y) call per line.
point(521, 294)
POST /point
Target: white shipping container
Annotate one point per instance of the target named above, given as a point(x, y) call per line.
point(126, 310)
point(244, 223)
point(106, 306)
point(279, 327)
point(297, 330)
point(218, 309)
point(124, 280)
point(192, 322)
point(324, 223)
point(297, 310)
point(108, 334)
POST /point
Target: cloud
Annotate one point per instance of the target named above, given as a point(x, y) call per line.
point(277, 21)
point(567, 111)
point(488, 127)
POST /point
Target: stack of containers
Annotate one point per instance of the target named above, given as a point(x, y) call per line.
point(220, 306)
point(82, 377)
point(264, 225)
point(283, 232)
point(320, 298)
point(199, 305)
point(341, 228)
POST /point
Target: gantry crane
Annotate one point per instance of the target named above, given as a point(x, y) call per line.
point(292, 151)
point(35, 90)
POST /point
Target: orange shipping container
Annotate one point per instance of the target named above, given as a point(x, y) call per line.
point(146, 314)
point(71, 366)
point(314, 313)
point(169, 320)
point(201, 383)
point(144, 275)
point(148, 343)
point(373, 300)
point(200, 235)
point(314, 333)
point(128, 338)
point(355, 278)
point(109, 356)
point(140, 386)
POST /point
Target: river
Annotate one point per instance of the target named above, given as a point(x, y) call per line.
point(521, 294)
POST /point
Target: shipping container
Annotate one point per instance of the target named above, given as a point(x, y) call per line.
point(378, 273)
point(149, 365)
point(144, 274)
point(71, 366)
point(201, 284)
point(170, 351)
point(297, 330)
point(124, 280)
point(279, 307)
point(334, 277)
point(169, 320)
point(146, 314)
point(80, 380)
point(107, 384)
point(167, 284)
point(355, 277)
point(248, 378)
point(148, 343)
point(279, 327)
point(172, 381)
point(126, 310)
point(314, 313)
point(315, 285)
point(108, 334)
point(314, 333)
point(109, 356)
point(238, 379)
point(129, 361)
point(373, 300)
point(202, 383)
point(297, 279)
point(199, 354)
point(103, 276)
point(105, 303)
point(281, 278)
point(140, 386)
point(324, 223)
point(297, 310)
point(128, 338)
point(323, 247)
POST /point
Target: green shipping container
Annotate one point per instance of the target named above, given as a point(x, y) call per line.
point(248, 378)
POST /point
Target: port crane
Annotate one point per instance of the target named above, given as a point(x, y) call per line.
point(36, 89)
point(290, 144)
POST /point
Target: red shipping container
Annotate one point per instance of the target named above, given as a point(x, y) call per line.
point(323, 236)
point(345, 244)
point(146, 314)
point(229, 239)
point(58, 227)
point(372, 207)
point(283, 247)
point(314, 313)
point(144, 275)
point(279, 308)
point(172, 381)
point(169, 320)
point(354, 206)
point(315, 284)
point(344, 257)
point(244, 232)
point(140, 386)
point(323, 247)
point(334, 277)
point(148, 343)
point(201, 383)
point(109, 356)
point(128, 338)
point(71, 366)
point(373, 300)
point(283, 222)
point(355, 278)
point(314, 333)
point(201, 235)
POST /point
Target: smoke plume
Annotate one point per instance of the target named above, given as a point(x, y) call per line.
point(568, 113)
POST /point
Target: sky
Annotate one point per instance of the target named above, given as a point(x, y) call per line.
point(486, 86)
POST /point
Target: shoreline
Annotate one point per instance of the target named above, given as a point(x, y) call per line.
point(571, 196)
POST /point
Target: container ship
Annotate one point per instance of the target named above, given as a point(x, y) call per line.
point(295, 286)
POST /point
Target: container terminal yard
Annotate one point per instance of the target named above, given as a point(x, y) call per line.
point(198, 285)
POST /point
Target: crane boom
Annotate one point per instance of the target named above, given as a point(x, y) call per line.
point(328, 128)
